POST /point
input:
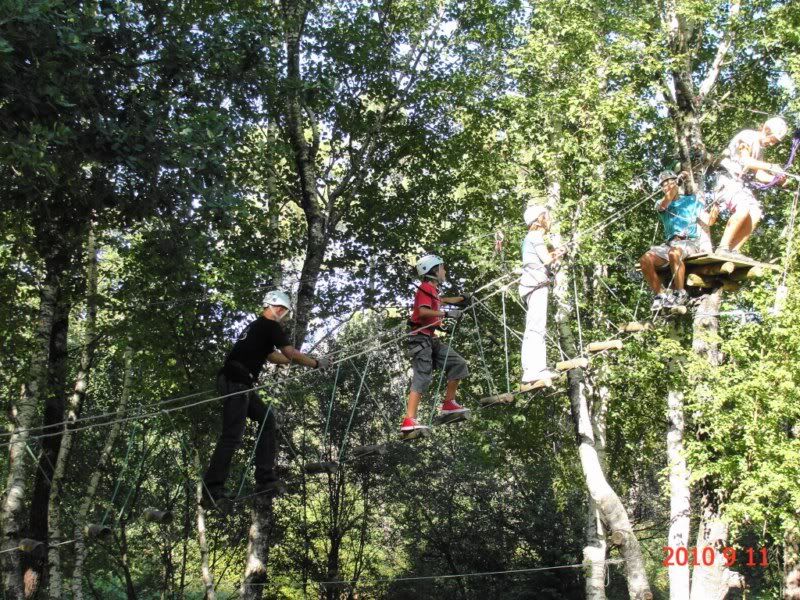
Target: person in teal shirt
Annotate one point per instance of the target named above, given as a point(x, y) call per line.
point(686, 232)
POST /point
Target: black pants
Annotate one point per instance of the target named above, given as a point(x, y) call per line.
point(235, 411)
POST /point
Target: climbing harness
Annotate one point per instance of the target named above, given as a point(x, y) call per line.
point(778, 179)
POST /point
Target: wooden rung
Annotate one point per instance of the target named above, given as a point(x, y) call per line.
point(414, 434)
point(97, 532)
point(497, 399)
point(324, 466)
point(30, 546)
point(375, 449)
point(153, 515)
point(575, 363)
point(535, 385)
point(451, 418)
point(678, 310)
point(725, 268)
point(634, 326)
point(607, 345)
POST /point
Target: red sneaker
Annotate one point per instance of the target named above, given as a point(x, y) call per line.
point(450, 407)
point(410, 424)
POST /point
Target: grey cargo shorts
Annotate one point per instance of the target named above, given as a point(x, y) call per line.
point(428, 353)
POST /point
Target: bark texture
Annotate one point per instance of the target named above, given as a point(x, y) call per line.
point(23, 415)
point(81, 520)
point(76, 401)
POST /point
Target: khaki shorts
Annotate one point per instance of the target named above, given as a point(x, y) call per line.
point(687, 248)
point(428, 353)
point(735, 196)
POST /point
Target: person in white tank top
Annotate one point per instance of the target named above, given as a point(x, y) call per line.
point(742, 166)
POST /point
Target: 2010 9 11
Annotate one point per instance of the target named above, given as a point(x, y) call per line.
point(682, 556)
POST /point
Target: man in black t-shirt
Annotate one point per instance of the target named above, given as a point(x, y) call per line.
point(263, 339)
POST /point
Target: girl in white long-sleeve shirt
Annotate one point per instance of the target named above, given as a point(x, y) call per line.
point(534, 290)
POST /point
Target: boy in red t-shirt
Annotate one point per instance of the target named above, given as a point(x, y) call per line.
point(425, 350)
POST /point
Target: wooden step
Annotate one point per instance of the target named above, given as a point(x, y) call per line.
point(323, 466)
point(30, 546)
point(497, 399)
point(635, 327)
point(607, 345)
point(451, 418)
point(415, 434)
point(153, 515)
point(95, 531)
point(373, 450)
point(575, 363)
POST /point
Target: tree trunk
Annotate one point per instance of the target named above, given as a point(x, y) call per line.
point(130, 588)
point(791, 560)
point(33, 565)
point(606, 500)
point(202, 541)
point(596, 549)
point(255, 572)
point(715, 580)
point(74, 408)
point(679, 496)
point(83, 512)
point(305, 156)
point(22, 414)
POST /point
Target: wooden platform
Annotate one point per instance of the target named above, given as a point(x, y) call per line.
point(711, 271)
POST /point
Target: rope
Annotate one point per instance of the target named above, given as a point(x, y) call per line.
point(354, 582)
point(330, 409)
point(790, 236)
point(505, 341)
point(444, 369)
point(131, 438)
point(253, 451)
point(477, 332)
point(353, 411)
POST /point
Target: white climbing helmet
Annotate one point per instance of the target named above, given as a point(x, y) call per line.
point(777, 127)
point(533, 212)
point(427, 262)
point(666, 176)
point(278, 298)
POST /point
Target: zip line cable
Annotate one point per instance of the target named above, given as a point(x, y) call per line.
point(357, 582)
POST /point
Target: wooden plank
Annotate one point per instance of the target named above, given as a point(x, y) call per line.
point(97, 532)
point(607, 345)
point(450, 418)
point(153, 515)
point(497, 399)
point(707, 259)
point(635, 327)
point(415, 434)
point(370, 450)
point(324, 466)
point(575, 363)
point(535, 385)
point(30, 546)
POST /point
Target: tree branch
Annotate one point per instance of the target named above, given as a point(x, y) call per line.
point(722, 50)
